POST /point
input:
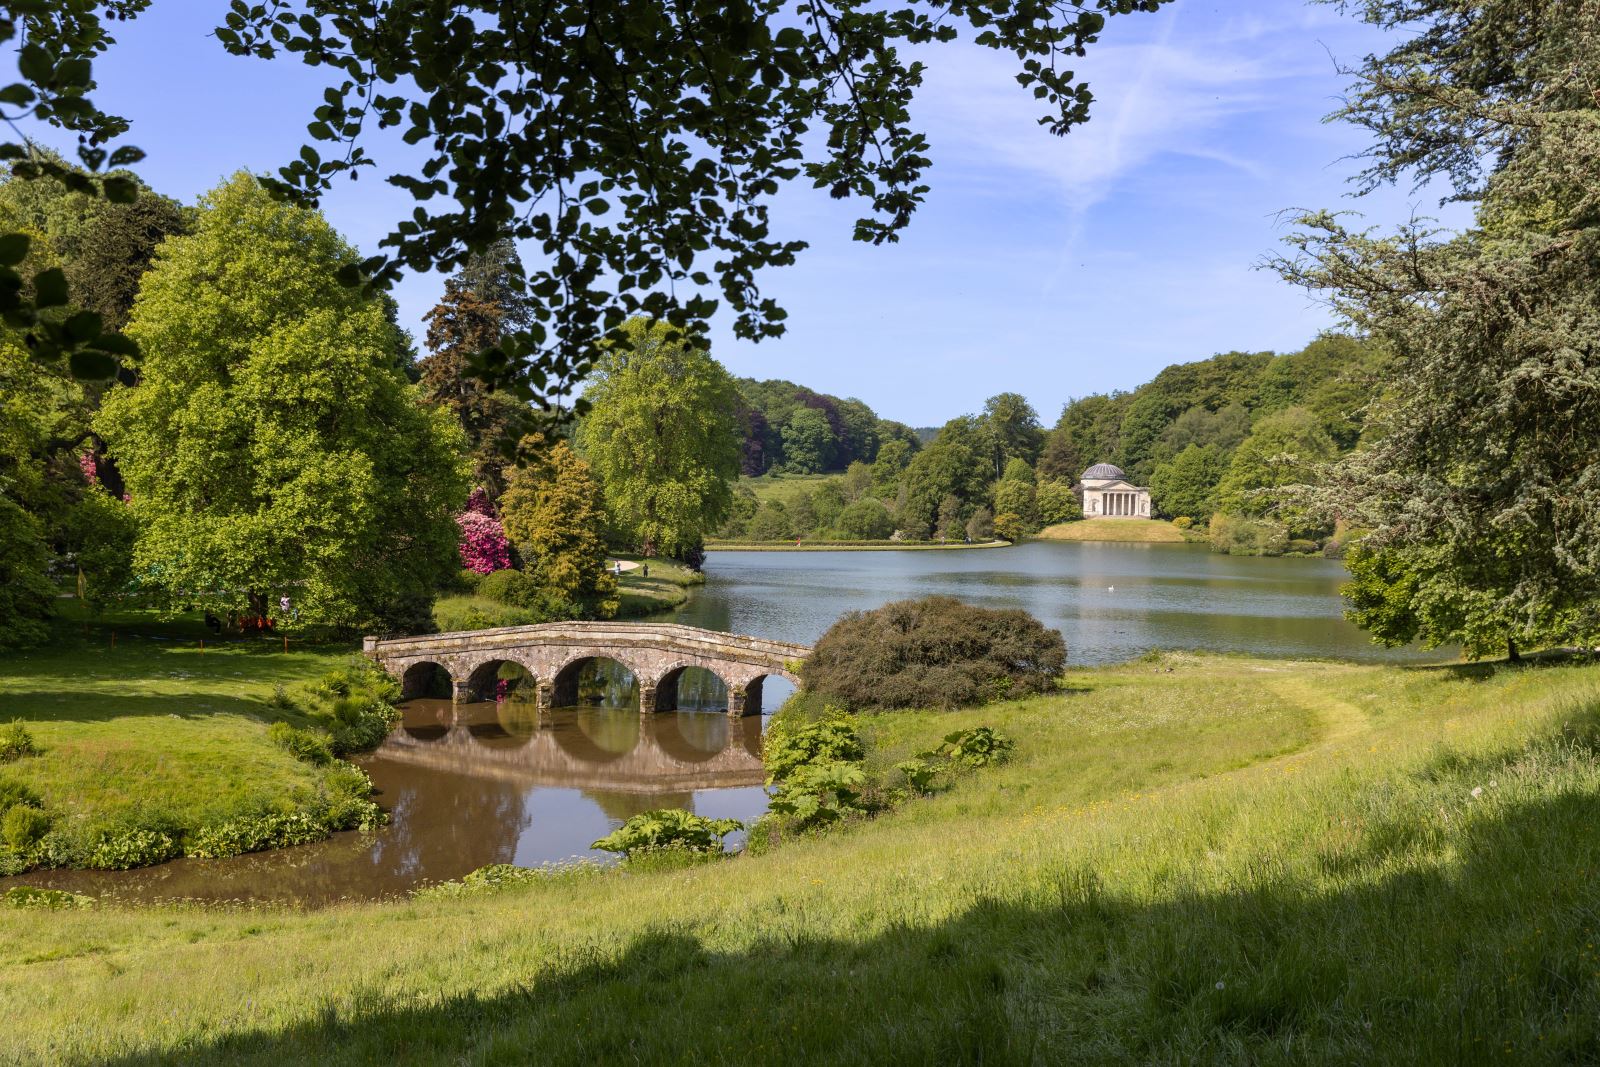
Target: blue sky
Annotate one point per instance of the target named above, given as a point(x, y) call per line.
point(1051, 267)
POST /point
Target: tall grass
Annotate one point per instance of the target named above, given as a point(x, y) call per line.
point(1189, 860)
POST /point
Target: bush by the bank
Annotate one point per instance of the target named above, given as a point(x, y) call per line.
point(934, 653)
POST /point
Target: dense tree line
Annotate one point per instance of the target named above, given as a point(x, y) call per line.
point(1213, 436)
point(789, 428)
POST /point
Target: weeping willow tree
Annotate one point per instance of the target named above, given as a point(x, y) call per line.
point(1481, 482)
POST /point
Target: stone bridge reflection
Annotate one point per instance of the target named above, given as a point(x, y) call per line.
point(596, 750)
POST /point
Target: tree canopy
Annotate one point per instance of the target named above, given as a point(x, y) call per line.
point(662, 435)
point(1481, 486)
point(273, 444)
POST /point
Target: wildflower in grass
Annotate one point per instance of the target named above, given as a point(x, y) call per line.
point(1477, 791)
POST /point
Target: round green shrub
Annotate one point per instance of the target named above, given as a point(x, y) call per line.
point(934, 653)
point(511, 587)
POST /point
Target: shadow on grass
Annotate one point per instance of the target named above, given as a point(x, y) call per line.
point(1415, 962)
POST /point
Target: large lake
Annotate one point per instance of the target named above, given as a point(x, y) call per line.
point(1110, 601)
point(474, 784)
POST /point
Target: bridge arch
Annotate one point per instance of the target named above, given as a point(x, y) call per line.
point(566, 689)
point(483, 681)
point(671, 694)
point(426, 678)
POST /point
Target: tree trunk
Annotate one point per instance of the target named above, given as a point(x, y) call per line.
point(258, 606)
point(1512, 655)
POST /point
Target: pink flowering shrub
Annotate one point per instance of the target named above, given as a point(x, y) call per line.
point(483, 542)
point(480, 503)
point(90, 469)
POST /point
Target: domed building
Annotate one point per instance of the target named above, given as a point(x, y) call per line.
point(1107, 494)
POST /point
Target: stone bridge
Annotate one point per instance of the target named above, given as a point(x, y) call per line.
point(554, 653)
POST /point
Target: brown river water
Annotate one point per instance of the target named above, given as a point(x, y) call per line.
point(474, 784)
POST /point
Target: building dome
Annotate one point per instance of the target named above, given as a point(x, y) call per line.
point(1103, 471)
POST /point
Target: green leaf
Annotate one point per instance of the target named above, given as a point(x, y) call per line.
point(14, 248)
point(50, 287)
point(82, 327)
point(90, 364)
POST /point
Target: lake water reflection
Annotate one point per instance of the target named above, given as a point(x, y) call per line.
point(476, 784)
point(1111, 601)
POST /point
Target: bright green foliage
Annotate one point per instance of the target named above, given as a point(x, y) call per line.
point(808, 442)
point(661, 434)
point(1057, 502)
point(1283, 450)
point(100, 532)
point(1187, 485)
point(273, 445)
point(23, 826)
point(667, 828)
point(791, 743)
point(1240, 535)
point(893, 458)
point(1426, 595)
point(16, 742)
point(956, 465)
point(866, 520)
point(1019, 498)
point(977, 747)
point(554, 512)
point(817, 794)
point(302, 744)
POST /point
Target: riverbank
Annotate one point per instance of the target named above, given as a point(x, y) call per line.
point(150, 732)
point(1141, 531)
point(1189, 859)
point(668, 586)
point(850, 546)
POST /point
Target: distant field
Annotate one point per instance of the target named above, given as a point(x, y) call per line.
point(1148, 531)
point(783, 487)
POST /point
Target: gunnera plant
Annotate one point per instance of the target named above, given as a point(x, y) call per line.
point(934, 653)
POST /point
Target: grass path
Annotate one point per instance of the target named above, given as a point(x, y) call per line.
point(1148, 881)
point(1340, 719)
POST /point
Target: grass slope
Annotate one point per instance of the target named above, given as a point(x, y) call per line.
point(1149, 531)
point(1189, 859)
point(782, 487)
point(157, 730)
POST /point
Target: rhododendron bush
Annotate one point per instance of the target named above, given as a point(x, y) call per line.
point(483, 543)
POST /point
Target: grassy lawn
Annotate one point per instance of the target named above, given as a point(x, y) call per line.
point(667, 587)
point(1149, 531)
point(782, 487)
point(158, 731)
point(1189, 859)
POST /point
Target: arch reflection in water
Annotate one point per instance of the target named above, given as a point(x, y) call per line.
point(595, 682)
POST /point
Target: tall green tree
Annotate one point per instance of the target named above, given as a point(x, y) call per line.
point(808, 442)
point(481, 305)
point(1187, 485)
point(273, 447)
point(1483, 470)
point(1283, 450)
point(1011, 428)
point(554, 512)
point(662, 433)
